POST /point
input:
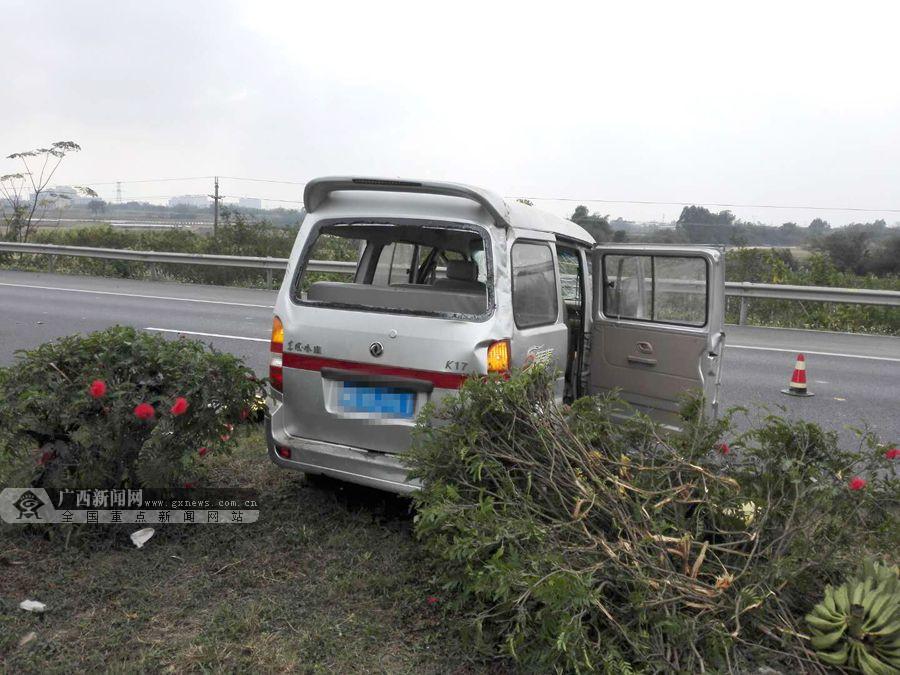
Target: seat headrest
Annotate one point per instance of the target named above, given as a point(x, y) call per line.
point(462, 270)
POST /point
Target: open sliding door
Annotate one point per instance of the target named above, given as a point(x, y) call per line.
point(659, 313)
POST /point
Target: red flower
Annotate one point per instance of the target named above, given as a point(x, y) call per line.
point(188, 486)
point(723, 448)
point(179, 407)
point(227, 436)
point(144, 411)
point(202, 451)
point(893, 453)
point(46, 456)
point(245, 413)
point(857, 483)
point(97, 388)
point(431, 600)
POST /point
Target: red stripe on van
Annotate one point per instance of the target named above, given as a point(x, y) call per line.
point(316, 363)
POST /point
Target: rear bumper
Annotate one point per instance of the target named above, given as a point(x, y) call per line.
point(354, 465)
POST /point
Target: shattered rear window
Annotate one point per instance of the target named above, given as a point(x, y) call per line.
point(428, 270)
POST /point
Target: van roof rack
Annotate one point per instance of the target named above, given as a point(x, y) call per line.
point(317, 190)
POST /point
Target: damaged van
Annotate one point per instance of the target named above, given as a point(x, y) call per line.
point(397, 291)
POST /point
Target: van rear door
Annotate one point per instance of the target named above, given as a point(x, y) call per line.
point(659, 314)
point(365, 351)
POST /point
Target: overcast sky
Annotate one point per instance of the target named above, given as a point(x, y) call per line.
point(783, 103)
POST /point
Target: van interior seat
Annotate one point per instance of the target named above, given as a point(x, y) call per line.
point(408, 297)
point(462, 275)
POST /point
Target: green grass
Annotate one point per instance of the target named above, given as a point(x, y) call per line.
point(329, 580)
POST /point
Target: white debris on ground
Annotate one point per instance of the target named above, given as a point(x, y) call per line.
point(141, 537)
point(32, 606)
point(28, 637)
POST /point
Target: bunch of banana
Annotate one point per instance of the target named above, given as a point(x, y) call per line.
point(857, 625)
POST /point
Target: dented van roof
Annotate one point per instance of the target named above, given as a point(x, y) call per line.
point(330, 194)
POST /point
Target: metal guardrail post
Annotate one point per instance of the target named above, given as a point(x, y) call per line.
point(742, 317)
point(269, 278)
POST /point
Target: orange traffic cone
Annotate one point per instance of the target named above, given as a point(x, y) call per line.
point(797, 387)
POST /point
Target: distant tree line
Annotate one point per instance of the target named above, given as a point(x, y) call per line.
point(132, 210)
point(858, 248)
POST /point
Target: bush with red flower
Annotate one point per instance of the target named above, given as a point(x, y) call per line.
point(120, 408)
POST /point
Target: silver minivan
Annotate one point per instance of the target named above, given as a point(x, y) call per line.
point(396, 291)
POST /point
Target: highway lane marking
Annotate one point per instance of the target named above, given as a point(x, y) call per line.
point(806, 351)
point(247, 304)
point(135, 295)
point(216, 335)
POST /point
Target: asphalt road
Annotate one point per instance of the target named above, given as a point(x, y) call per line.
point(856, 378)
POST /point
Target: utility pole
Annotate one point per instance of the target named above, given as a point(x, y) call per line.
point(216, 198)
point(118, 192)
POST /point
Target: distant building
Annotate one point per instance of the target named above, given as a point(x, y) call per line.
point(64, 195)
point(250, 203)
point(197, 201)
point(62, 191)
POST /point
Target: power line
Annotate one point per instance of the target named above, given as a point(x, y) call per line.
point(136, 198)
point(640, 202)
point(266, 180)
point(727, 206)
point(162, 180)
point(144, 180)
point(265, 199)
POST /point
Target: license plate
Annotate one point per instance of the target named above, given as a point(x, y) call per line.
point(381, 401)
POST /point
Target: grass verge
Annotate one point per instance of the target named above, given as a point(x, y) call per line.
point(329, 580)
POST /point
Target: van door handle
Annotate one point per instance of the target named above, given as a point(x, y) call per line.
point(642, 360)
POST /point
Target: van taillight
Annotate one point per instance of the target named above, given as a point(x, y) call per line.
point(276, 376)
point(498, 357)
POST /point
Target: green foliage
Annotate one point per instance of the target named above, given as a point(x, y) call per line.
point(24, 197)
point(596, 225)
point(570, 539)
point(236, 235)
point(57, 433)
point(858, 623)
point(779, 266)
point(848, 248)
point(863, 248)
point(857, 248)
point(698, 224)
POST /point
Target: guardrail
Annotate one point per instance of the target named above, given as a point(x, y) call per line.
point(856, 296)
point(268, 264)
point(743, 290)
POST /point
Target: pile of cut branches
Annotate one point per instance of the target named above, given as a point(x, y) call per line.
point(580, 543)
